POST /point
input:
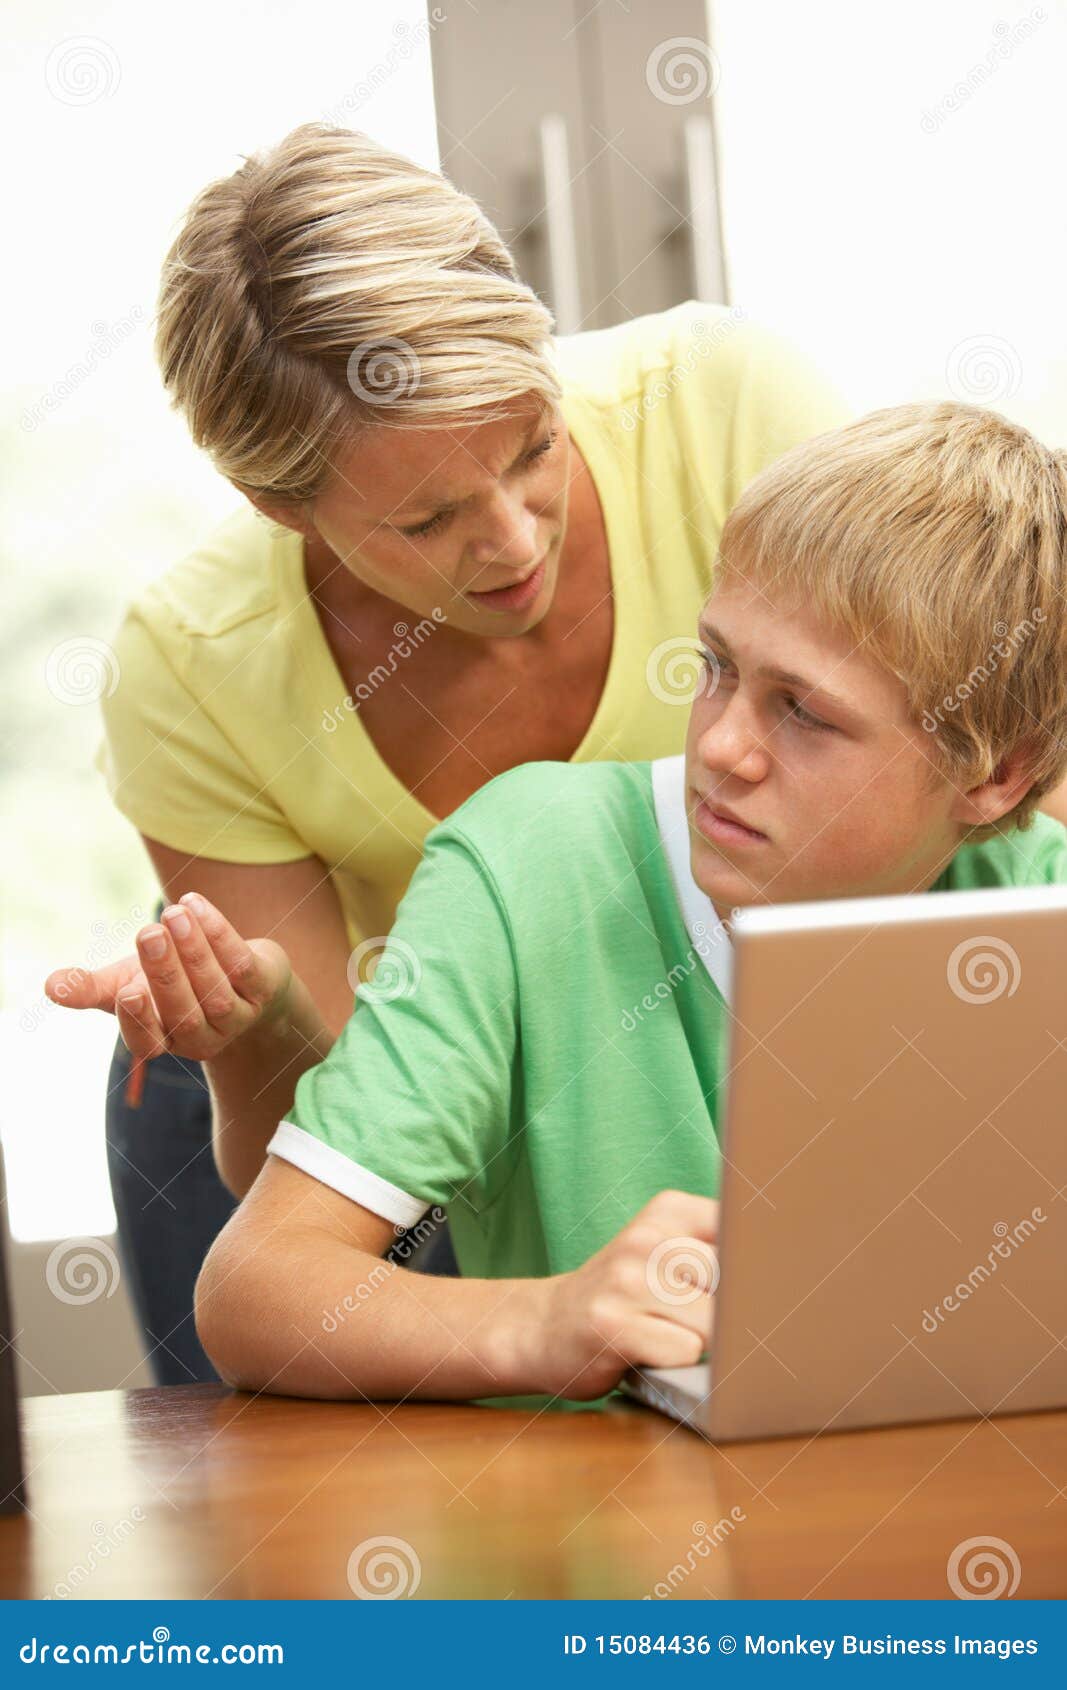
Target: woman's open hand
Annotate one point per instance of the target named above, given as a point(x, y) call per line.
point(191, 991)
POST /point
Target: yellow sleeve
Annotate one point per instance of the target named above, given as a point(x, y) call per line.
point(780, 397)
point(170, 768)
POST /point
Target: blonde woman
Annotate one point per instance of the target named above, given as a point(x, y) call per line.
point(461, 539)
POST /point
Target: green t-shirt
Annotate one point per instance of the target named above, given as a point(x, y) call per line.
point(542, 1046)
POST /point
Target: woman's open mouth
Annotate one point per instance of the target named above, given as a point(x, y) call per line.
point(519, 596)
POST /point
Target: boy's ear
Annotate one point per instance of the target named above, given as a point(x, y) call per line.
point(1010, 781)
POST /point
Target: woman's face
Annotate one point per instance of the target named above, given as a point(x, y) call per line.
point(444, 518)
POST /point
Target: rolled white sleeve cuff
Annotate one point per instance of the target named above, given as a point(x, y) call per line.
point(337, 1170)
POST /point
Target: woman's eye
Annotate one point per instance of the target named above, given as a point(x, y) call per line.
point(429, 525)
point(539, 450)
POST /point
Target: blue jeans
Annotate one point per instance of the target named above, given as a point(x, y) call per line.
point(171, 1205)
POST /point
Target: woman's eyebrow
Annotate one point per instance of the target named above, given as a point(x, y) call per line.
point(767, 672)
point(427, 499)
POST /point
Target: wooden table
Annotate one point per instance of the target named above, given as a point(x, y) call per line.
point(201, 1492)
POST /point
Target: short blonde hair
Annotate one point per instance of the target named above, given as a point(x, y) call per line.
point(330, 284)
point(935, 536)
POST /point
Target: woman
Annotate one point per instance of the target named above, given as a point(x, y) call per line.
point(460, 539)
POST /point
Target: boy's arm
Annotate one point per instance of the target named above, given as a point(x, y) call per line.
point(294, 1298)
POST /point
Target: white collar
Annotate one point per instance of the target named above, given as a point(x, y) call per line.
point(709, 938)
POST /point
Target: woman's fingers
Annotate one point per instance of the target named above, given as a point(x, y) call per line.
point(138, 1022)
point(252, 976)
point(200, 984)
point(90, 988)
point(76, 988)
point(209, 983)
point(176, 1004)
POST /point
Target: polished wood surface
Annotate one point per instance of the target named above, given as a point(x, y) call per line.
point(201, 1492)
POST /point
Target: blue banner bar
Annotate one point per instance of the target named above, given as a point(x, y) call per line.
point(540, 1644)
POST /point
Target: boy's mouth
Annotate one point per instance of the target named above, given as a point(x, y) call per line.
point(722, 826)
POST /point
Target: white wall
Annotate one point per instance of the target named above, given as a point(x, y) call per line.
point(892, 193)
point(112, 116)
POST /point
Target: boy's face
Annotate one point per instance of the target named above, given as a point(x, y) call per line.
point(842, 809)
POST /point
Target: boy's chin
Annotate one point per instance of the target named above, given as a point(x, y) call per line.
point(725, 886)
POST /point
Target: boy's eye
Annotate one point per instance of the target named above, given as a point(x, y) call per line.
point(804, 717)
point(718, 666)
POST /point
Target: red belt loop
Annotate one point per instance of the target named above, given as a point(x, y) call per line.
point(135, 1081)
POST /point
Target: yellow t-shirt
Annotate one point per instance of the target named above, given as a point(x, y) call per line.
point(228, 734)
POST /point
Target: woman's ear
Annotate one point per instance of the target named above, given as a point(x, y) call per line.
point(283, 511)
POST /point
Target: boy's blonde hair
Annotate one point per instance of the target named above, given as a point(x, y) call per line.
point(330, 284)
point(935, 535)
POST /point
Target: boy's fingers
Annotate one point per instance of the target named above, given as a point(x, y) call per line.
point(679, 1271)
point(678, 1213)
point(650, 1342)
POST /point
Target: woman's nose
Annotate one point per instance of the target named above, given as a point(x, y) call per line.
point(509, 538)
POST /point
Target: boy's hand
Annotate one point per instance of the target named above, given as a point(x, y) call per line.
point(204, 990)
point(644, 1300)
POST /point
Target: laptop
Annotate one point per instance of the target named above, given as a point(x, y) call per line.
point(893, 1230)
point(12, 1494)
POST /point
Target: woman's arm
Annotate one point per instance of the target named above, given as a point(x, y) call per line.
point(206, 989)
point(293, 903)
point(253, 1082)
